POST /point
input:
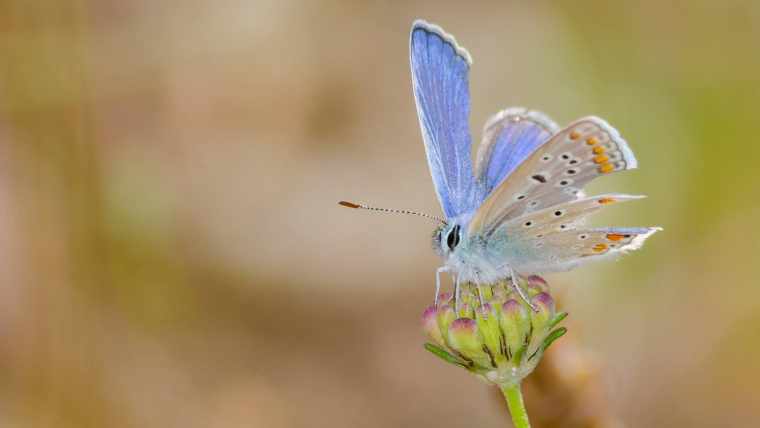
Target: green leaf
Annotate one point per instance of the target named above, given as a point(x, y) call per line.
point(556, 320)
point(444, 355)
point(556, 334)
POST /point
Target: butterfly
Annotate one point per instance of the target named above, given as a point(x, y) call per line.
point(520, 209)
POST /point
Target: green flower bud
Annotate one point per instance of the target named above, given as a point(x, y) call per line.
point(488, 322)
point(501, 340)
point(544, 305)
point(536, 285)
point(430, 325)
point(515, 324)
point(446, 316)
point(466, 340)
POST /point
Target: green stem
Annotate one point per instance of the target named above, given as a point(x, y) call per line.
point(516, 406)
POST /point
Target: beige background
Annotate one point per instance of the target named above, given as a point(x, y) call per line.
point(172, 255)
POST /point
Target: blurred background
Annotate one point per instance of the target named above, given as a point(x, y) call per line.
point(172, 255)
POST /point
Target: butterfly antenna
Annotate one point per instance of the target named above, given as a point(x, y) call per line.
point(389, 210)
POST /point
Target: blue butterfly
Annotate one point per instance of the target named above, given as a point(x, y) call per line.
point(520, 209)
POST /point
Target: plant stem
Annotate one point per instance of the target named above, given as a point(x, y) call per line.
point(516, 406)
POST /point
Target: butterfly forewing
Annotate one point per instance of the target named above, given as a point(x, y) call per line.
point(556, 172)
point(440, 81)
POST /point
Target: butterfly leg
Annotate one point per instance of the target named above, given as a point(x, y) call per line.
point(480, 294)
point(520, 291)
point(438, 281)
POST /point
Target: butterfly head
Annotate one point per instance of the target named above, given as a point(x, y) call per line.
point(446, 238)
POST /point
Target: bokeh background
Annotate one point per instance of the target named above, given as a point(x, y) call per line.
point(172, 255)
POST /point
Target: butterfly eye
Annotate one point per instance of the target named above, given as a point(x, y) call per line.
point(452, 240)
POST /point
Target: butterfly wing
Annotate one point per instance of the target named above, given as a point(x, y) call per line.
point(537, 225)
point(554, 238)
point(555, 172)
point(561, 251)
point(509, 137)
point(440, 82)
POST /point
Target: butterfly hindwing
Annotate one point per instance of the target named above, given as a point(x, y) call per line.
point(566, 250)
point(440, 71)
point(509, 137)
point(556, 172)
point(537, 225)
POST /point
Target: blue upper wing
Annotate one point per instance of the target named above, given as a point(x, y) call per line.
point(509, 137)
point(440, 81)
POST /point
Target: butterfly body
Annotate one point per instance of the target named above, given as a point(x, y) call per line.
point(520, 209)
point(481, 259)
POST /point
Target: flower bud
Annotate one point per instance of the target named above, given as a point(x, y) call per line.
point(463, 334)
point(544, 305)
point(488, 322)
point(430, 325)
point(515, 324)
point(501, 340)
point(445, 316)
point(536, 285)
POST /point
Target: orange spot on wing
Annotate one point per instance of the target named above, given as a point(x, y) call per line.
point(591, 141)
point(599, 247)
point(604, 201)
point(607, 167)
point(574, 135)
point(601, 159)
point(598, 150)
point(614, 236)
